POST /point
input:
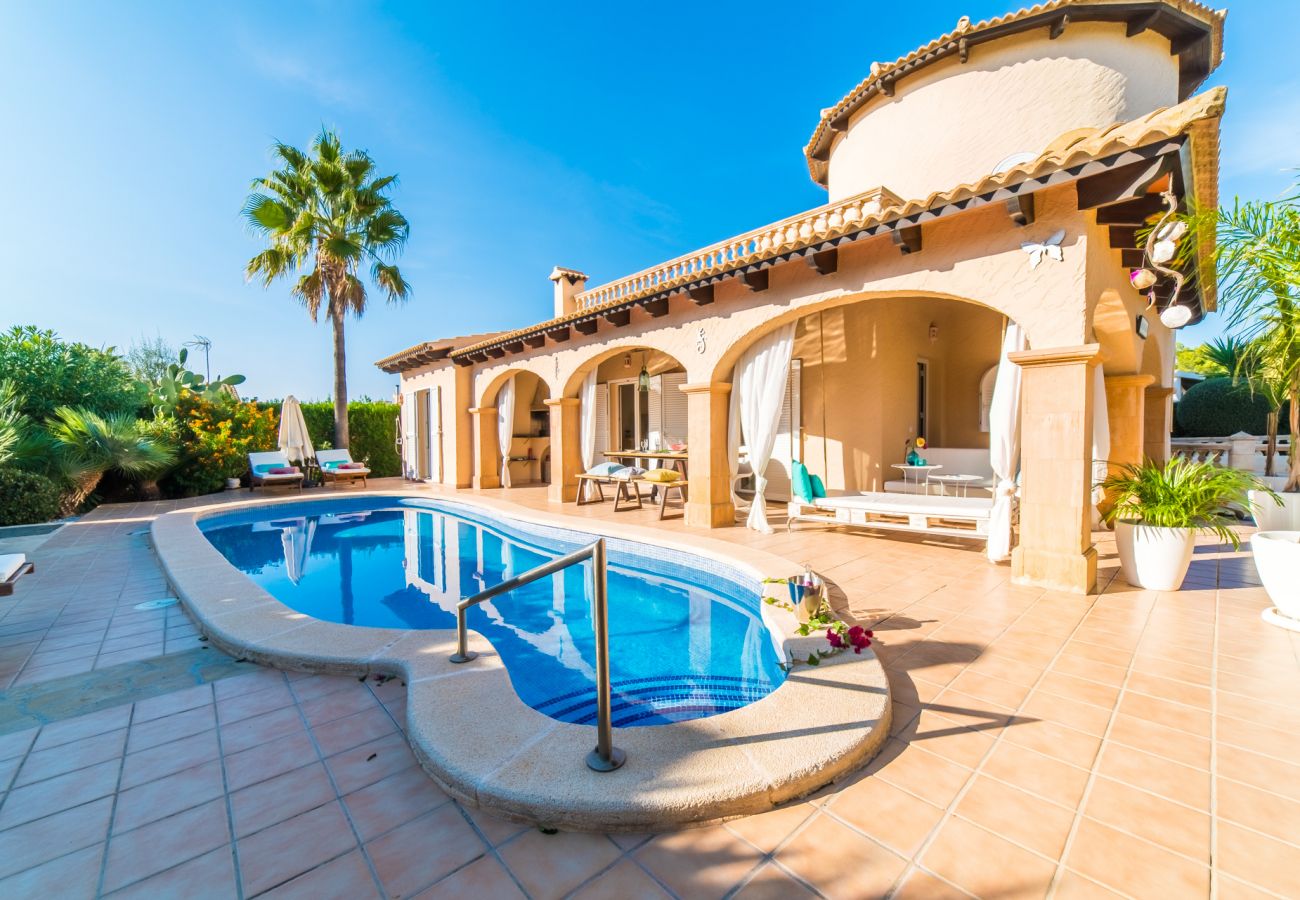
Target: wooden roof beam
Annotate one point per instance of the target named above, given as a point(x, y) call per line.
point(756, 281)
point(536, 341)
point(656, 308)
point(908, 239)
point(825, 262)
point(1021, 209)
point(702, 295)
point(1057, 27)
point(1132, 212)
point(586, 326)
point(619, 317)
point(1124, 182)
point(559, 335)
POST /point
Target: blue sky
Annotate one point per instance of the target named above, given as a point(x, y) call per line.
point(605, 137)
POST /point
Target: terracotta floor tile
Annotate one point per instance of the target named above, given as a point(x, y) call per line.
point(481, 879)
point(56, 794)
point(354, 769)
point(1235, 889)
point(75, 729)
point(1073, 886)
point(767, 830)
point(349, 731)
point(1075, 714)
point(347, 876)
point(493, 829)
point(985, 864)
point(1175, 781)
point(706, 862)
point(258, 679)
point(886, 813)
point(625, 881)
point(171, 794)
point(423, 851)
point(948, 738)
point(274, 855)
point(268, 697)
point(1259, 860)
point(1160, 740)
point(922, 773)
point(1257, 736)
point(921, 885)
point(174, 702)
point(260, 729)
point(350, 701)
point(1263, 772)
point(1082, 667)
point(1084, 690)
point(170, 727)
point(16, 743)
point(1005, 693)
point(1017, 816)
point(768, 883)
point(394, 801)
point(74, 875)
point(1042, 775)
point(208, 877)
point(270, 759)
point(135, 855)
point(837, 860)
point(276, 799)
point(1055, 740)
point(167, 759)
point(1172, 715)
point(1264, 811)
point(42, 764)
point(1133, 866)
point(307, 687)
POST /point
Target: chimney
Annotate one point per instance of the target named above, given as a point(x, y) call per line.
point(568, 284)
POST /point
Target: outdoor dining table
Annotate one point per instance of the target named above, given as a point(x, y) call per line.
point(676, 457)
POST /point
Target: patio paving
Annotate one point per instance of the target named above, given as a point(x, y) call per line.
point(1128, 743)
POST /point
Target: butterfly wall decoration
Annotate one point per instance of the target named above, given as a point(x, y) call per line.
point(1049, 248)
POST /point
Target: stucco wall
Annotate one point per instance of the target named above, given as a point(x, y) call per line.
point(456, 433)
point(859, 389)
point(953, 123)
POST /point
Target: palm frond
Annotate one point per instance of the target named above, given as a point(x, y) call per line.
point(390, 279)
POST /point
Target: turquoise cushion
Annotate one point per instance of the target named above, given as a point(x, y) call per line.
point(333, 464)
point(800, 482)
point(818, 489)
point(264, 468)
point(606, 468)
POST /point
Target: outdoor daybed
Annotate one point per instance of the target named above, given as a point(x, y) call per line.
point(12, 567)
point(262, 471)
point(966, 517)
point(337, 465)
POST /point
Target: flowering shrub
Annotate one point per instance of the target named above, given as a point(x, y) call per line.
point(216, 438)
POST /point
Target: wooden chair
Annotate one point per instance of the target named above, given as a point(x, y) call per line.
point(330, 462)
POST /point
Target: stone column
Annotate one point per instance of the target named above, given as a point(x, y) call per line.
point(487, 455)
point(709, 504)
point(1159, 415)
point(1126, 409)
point(1055, 549)
point(566, 448)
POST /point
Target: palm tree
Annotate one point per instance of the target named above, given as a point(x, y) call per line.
point(325, 215)
point(86, 445)
point(1257, 258)
point(1230, 355)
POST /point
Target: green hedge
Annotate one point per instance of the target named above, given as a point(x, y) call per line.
point(373, 426)
point(1216, 407)
point(27, 498)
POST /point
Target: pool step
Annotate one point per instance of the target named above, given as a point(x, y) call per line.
point(653, 701)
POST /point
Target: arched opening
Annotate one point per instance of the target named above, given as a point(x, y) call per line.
point(870, 376)
point(525, 441)
point(638, 404)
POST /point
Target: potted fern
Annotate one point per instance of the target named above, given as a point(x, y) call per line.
point(1161, 507)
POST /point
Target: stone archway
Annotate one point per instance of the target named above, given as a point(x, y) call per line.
point(531, 454)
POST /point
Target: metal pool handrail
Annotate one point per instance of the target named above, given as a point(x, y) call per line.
point(606, 757)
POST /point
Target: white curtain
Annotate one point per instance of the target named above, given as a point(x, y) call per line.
point(1004, 443)
point(587, 414)
point(757, 398)
point(1100, 440)
point(506, 427)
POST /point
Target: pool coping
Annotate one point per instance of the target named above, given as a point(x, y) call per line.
point(483, 745)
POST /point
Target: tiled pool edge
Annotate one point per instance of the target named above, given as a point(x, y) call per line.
point(482, 744)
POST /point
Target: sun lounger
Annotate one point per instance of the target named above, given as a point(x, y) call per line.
point(337, 465)
point(12, 567)
point(952, 516)
point(260, 474)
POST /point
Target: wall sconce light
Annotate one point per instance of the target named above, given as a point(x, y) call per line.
point(934, 333)
point(643, 380)
point(1142, 327)
point(627, 360)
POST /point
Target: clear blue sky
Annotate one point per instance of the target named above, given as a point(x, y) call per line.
point(605, 138)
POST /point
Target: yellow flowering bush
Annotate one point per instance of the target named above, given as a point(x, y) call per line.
point(216, 438)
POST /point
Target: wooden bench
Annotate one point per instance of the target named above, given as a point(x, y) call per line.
point(629, 495)
point(585, 483)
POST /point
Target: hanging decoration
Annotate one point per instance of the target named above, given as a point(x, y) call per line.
point(643, 380)
point(1161, 249)
point(1050, 249)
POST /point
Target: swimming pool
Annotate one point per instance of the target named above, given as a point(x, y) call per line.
point(687, 637)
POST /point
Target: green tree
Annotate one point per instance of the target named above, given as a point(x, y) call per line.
point(326, 216)
point(48, 372)
point(1257, 260)
point(86, 445)
point(149, 359)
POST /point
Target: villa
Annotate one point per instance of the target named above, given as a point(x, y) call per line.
point(998, 176)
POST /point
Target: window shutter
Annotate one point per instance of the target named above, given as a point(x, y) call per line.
point(787, 436)
point(602, 421)
point(674, 418)
point(410, 454)
point(654, 407)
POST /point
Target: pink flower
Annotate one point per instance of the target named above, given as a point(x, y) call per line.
point(834, 639)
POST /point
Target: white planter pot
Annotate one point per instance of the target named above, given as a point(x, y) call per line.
point(1152, 558)
point(232, 484)
point(1271, 517)
point(1277, 557)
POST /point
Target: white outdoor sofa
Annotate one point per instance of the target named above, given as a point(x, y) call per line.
point(955, 461)
point(966, 517)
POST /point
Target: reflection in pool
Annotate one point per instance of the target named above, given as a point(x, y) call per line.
point(686, 636)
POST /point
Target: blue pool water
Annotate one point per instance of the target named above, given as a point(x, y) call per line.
point(686, 636)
